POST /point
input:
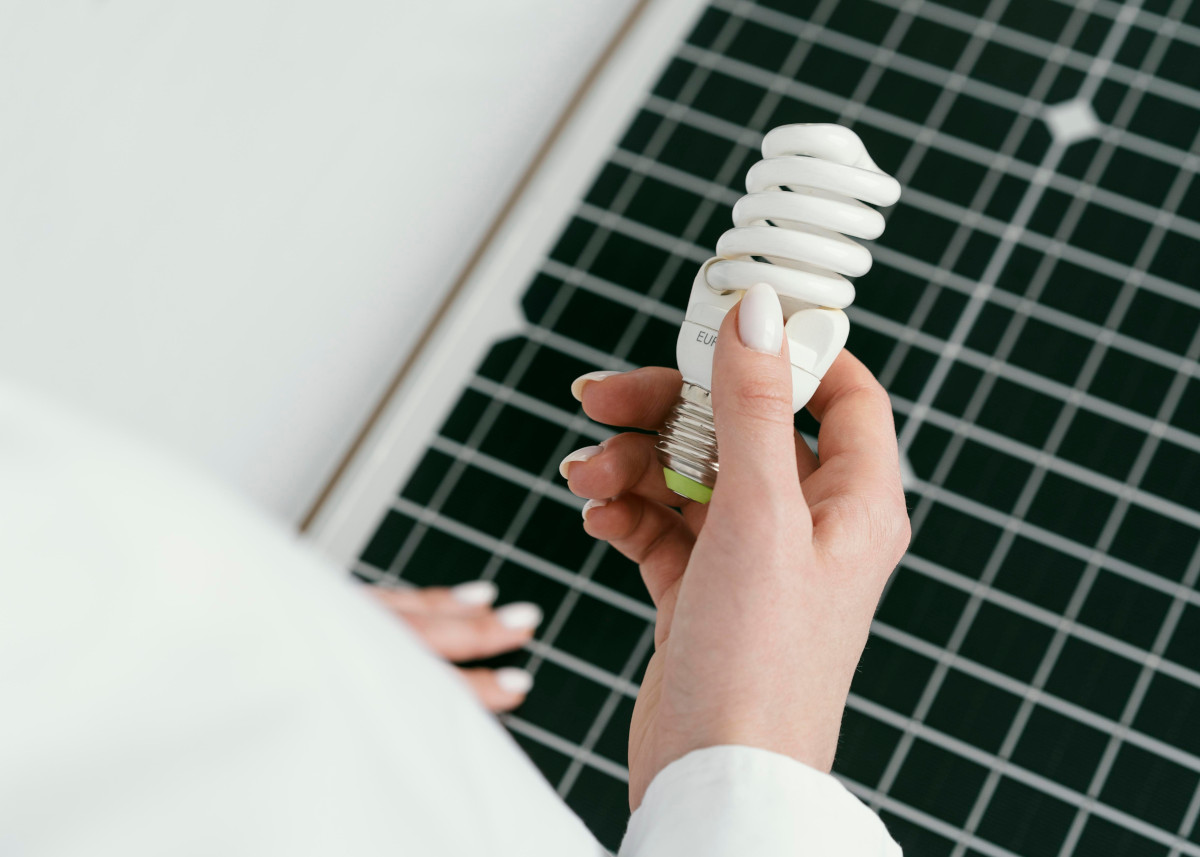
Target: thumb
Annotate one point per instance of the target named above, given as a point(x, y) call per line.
point(752, 400)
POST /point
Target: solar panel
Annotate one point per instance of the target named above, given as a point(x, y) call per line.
point(1032, 682)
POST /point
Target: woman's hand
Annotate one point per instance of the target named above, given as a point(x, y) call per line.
point(459, 624)
point(765, 596)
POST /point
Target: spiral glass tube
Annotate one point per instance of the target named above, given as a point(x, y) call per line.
point(803, 198)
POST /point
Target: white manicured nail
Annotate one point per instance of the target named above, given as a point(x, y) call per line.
point(521, 616)
point(579, 455)
point(760, 319)
point(475, 593)
point(592, 504)
point(514, 680)
point(578, 384)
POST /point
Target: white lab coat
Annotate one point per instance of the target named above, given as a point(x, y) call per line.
point(179, 676)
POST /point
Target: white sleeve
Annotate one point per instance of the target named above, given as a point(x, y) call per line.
point(740, 800)
point(179, 676)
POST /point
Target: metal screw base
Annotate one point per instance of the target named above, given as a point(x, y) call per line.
point(688, 443)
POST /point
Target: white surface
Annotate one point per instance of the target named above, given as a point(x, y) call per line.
point(223, 224)
point(486, 309)
point(182, 678)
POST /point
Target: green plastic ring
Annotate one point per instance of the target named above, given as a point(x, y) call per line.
point(686, 487)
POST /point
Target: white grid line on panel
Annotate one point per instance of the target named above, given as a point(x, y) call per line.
point(567, 748)
point(1150, 20)
point(880, 60)
point(635, 301)
point(990, 515)
point(620, 685)
point(1072, 58)
point(960, 148)
point(1055, 389)
point(967, 355)
point(1120, 735)
point(1017, 687)
point(1051, 619)
point(1177, 363)
point(607, 710)
point(1051, 462)
point(908, 264)
point(921, 818)
point(583, 755)
point(1042, 312)
point(1018, 449)
point(952, 85)
point(950, 211)
point(1050, 539)
point(903, 638)
point(471, 456)
point(956, 80)
point(1175, 611)
point(987, 514)
point(1172, 589)
point(521, 557)
point(1006, 98)
point(538, 408)
point(1189, 821)
point(952, 832)
point(1012, 37)
point(577, 349)
point(1178, 591)
point(559, 618)
point(1001, 766)
point(895, 259)
point(1058, 433)
point(617, 684)
point(979, 154)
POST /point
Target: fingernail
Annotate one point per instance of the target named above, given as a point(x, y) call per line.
point(592, 504)
point(578, 455)
point(475, 593)
point(514, 680)
point(521, 616)
point(760, 319)
point(578, 384)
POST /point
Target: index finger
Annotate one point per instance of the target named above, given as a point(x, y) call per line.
point(857, 441)
point(640, 399)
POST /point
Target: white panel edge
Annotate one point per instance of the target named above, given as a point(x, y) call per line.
point(487, 310)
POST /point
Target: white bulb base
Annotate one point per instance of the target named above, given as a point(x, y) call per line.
point(687, 445)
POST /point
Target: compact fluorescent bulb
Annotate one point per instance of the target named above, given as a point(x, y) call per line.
point(789, 232)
